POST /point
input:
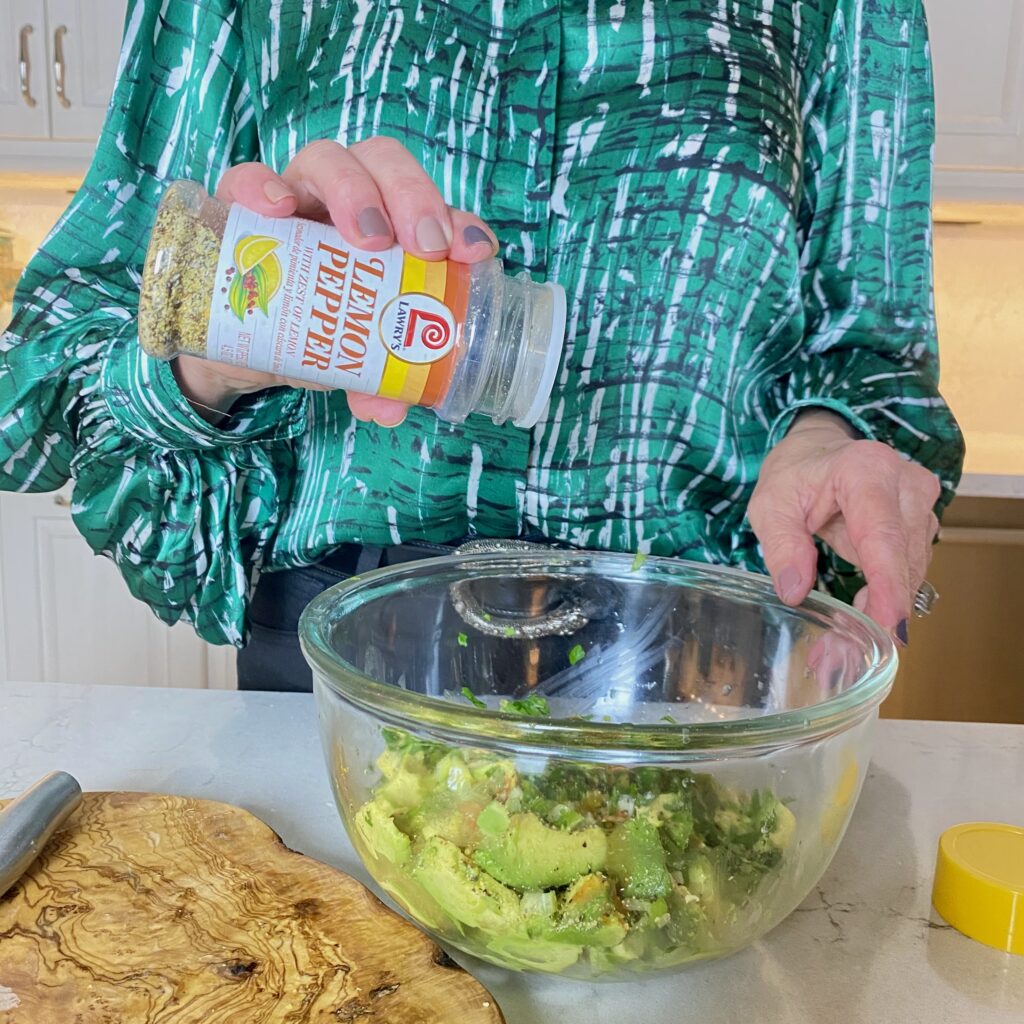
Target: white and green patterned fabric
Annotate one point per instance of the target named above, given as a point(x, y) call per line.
point(734, 194)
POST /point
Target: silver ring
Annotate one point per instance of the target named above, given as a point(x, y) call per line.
point(925, 597)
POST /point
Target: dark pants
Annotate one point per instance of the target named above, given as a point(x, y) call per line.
point(272, 660)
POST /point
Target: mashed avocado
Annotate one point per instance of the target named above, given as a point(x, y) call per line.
point(528, 854)
point(578, 863)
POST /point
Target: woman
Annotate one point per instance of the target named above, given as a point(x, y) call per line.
point(734, 196)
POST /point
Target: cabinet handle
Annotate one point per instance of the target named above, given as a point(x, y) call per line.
point(25, 66)
point(59, 70)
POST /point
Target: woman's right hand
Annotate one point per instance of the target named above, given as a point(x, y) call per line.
point(375, 193)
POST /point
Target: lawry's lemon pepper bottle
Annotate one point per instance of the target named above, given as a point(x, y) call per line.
point(291, 297)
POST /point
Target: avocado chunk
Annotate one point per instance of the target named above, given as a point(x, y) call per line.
point(451, 823)
point(784, 825)
point(404, 790)
point(452, 773)
point(495, 777)
point(493, 819)
point(381, 835)
point(539, 908)
point(636, 859)
point(678, 826)
point(533, 954)
point(588, 915)
point(700, 878)
point(467, 894)
point(404, 767)
point(530, 855)
point(686, 923)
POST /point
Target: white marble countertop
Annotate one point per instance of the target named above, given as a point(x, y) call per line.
point(865, 947)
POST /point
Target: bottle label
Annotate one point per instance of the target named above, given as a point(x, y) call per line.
point(293, 298)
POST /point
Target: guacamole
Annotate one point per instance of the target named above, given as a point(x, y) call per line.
point(580, 866)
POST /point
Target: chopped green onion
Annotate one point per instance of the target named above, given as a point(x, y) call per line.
point(533, 705)
point(576, 654)
point(638, 560)
point(463, 640)
point(472, 698)
point(509, 631)
point(669, 719)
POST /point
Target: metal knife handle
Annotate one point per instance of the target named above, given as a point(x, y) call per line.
point(25, 66)
point(27, 823)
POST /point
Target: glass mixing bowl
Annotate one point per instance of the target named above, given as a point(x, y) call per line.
point(588, 764)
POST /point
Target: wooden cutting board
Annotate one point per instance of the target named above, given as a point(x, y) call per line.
point(155, 909)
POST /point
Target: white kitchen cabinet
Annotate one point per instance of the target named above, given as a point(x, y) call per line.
point(24, 96)
point(58, 61)
point(85, 44)
point(67, 616)
point(978, 58)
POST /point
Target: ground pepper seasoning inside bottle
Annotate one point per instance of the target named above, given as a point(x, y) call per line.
point(289, 296)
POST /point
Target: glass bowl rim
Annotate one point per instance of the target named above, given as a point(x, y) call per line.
point(472, 726)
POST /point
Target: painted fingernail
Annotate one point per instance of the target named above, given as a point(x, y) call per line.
point(789, 583)
point(430, 236)
point(474, 236)
point(372, 224)
point(275, 191)
point(902, 633)
point(388, 424)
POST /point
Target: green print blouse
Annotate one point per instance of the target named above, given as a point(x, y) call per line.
point(735, 196)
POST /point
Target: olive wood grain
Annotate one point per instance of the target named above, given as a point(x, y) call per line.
point(166, 910)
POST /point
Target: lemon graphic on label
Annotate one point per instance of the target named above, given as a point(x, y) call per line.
point(258, 276)
point(253, 249)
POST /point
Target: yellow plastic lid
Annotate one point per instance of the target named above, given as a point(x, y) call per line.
point(979, 883)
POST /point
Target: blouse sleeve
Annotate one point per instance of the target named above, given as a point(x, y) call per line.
point(870, 350)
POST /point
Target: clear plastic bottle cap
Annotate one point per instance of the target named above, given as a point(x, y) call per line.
point(545, 360)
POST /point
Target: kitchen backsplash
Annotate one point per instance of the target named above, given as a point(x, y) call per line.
point(29, 206)
point(979, 305)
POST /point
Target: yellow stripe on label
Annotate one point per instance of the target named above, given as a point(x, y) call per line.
point(392, 381)
point(414, 273)
point(401, 380)
point(435, 277)
point(423, 277)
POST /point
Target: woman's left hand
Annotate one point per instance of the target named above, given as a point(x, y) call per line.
point(872, 507)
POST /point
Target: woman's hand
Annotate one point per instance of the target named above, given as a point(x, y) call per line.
point(375, 193)
point(872, 507)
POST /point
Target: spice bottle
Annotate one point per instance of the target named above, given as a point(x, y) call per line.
point(291, 297)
